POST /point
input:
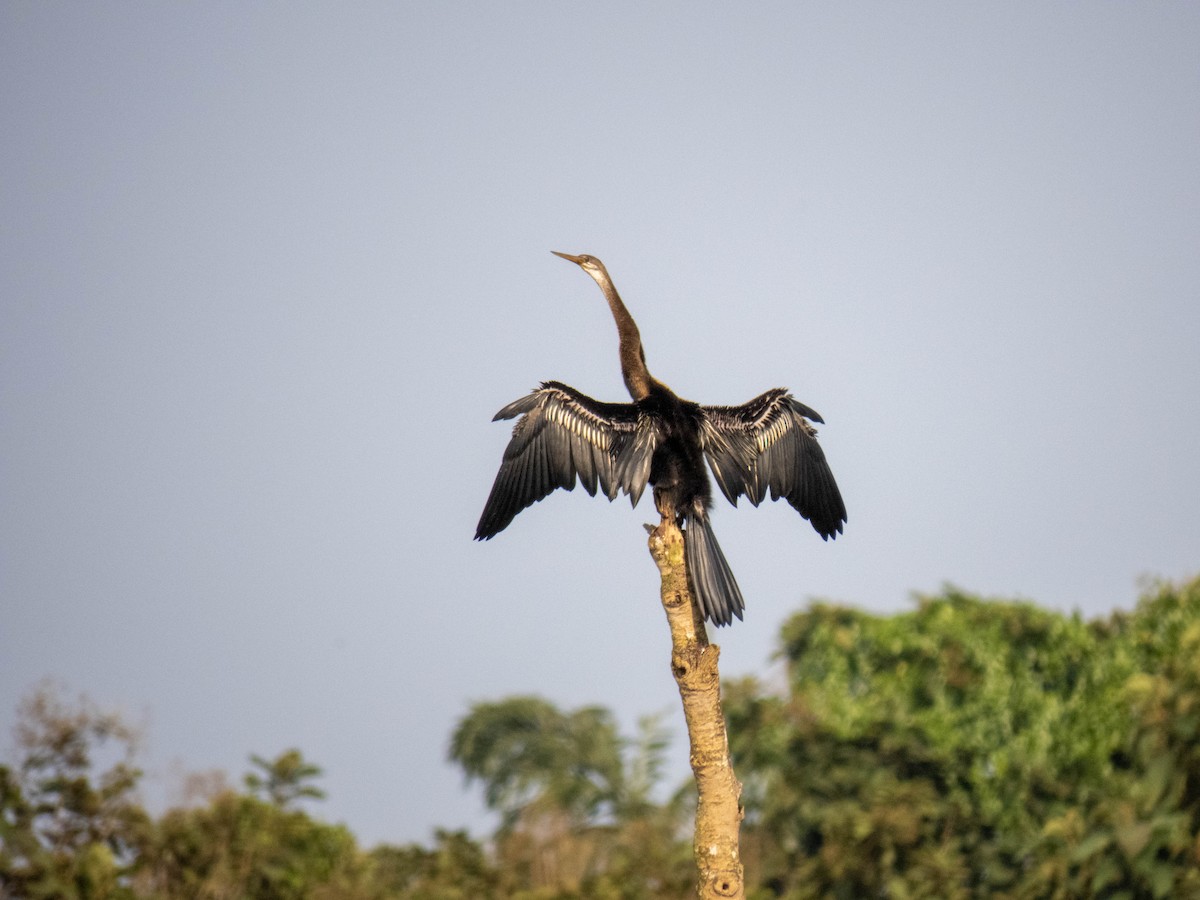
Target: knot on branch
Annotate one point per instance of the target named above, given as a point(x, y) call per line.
point(675, 599)
point(725, 883)
point(695, 667)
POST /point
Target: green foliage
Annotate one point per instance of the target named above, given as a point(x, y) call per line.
point(283, 780)
point(977, 749)
point(960, 707)
point(964, 749)
point(67, 833)
point(529, 755)
point(578, 817)
point(238, 845)
point(455, 868)
point(1140, 835)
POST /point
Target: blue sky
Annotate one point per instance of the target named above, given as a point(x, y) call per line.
point(267, 273)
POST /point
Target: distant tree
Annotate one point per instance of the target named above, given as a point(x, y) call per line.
point(240, 846)
point(976, 748)
point(66, 832)
point(576, 800)
point(531, 756)
point(455, 868)
point(964, 749)
point(284, 780)
point(1138, 835)
point(243, 845)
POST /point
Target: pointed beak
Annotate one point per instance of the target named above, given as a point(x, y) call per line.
point(568, 256)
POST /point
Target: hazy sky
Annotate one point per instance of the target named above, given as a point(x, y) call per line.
point(267, 271)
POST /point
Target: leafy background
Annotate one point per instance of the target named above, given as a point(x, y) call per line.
point(968, 748)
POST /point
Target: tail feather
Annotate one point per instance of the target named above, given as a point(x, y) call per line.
point(716, 589)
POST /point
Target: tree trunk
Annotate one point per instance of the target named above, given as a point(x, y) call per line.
point(694, 664)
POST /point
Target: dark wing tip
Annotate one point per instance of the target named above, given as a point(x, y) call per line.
point(767, 447)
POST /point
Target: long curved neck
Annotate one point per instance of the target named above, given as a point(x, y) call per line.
point(633, 360)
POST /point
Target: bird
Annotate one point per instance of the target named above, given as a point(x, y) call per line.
point(660, 439)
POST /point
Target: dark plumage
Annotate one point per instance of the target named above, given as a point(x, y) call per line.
point(663, 440)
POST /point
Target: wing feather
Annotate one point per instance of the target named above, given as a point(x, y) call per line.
point(770, 446)
point(581, 459)
point(562, 435)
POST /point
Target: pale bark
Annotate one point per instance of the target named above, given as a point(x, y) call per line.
point(694, 664)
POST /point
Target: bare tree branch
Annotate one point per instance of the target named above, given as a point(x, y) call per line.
point(694, 665)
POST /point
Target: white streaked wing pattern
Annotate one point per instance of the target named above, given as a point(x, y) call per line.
point(563, 434)
point(768, 444)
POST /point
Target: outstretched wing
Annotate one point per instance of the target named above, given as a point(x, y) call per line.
point(769, 444)
point(563, 434)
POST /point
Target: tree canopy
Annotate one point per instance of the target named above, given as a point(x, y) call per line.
point(966, 748)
